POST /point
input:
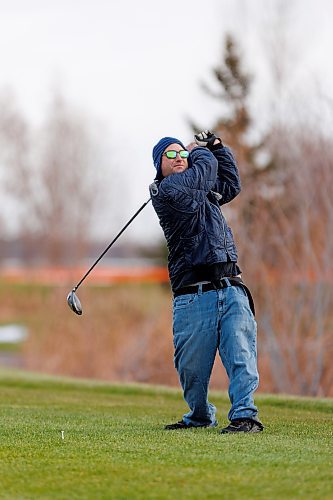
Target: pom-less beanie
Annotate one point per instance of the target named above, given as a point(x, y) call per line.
point(159, 149)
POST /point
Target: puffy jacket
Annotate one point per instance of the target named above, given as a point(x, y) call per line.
point(187, 206)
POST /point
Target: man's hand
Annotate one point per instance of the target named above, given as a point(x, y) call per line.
point(206, 139)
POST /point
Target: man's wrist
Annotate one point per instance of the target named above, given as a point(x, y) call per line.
point(218, 144)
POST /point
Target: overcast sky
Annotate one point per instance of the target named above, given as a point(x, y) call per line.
point(135, 68)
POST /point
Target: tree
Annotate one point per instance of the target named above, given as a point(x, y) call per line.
point(51, 174)
point(232, 94)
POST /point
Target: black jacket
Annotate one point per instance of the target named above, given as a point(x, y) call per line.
point(187, 205)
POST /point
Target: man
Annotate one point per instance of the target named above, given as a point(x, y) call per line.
point(211, 305)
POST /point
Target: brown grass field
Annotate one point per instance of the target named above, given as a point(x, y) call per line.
point(124, 334)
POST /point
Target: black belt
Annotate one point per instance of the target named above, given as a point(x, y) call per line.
point(216, 285)
point(206, 287)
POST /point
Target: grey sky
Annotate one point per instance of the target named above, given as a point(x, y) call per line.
point(135, 68)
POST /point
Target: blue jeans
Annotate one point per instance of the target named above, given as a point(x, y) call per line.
point(204, 323)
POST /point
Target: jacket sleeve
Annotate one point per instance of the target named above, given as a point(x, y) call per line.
point(187, 190)
point(228, 183)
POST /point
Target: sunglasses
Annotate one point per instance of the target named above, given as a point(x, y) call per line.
point(173, 154)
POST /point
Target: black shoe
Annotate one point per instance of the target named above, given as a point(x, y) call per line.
point(243, 425)
point(182, 425)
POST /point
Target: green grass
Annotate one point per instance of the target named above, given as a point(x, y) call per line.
point(115, 447)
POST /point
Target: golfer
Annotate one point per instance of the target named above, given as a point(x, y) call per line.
point(212, 308)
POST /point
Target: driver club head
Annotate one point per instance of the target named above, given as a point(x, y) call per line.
point(74, 303)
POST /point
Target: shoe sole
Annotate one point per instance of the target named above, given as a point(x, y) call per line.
point(166, 428)
point(241, 432)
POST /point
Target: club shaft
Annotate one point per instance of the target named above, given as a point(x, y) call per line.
point(110, 245)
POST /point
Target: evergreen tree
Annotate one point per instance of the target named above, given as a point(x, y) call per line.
point(256, 161)
point(234, 89)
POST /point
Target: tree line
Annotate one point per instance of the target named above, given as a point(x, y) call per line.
point(49, 175)
point(283, 220)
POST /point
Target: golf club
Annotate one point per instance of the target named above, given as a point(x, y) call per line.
point(72, 299)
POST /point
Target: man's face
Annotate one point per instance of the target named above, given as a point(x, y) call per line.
point(173, 165)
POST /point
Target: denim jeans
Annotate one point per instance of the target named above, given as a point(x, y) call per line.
point(204, 323)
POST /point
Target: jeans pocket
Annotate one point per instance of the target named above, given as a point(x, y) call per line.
point(245, 293)
point(184, 300)
point(240, 290)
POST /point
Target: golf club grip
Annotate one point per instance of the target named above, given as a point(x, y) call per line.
point(110, 245)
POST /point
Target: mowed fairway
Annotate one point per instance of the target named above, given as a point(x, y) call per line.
point(114, 445)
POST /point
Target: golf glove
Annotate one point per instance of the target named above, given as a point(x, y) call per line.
point(206, 139)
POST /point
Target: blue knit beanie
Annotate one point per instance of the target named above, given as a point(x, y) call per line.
point(159, 150)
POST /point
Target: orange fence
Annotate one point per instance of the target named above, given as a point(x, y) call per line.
point(127, 274)
point(99, 276)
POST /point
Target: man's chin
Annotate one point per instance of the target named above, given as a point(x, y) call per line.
point(179, 169)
